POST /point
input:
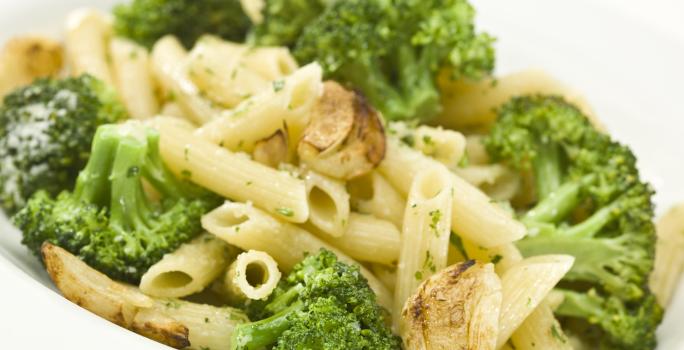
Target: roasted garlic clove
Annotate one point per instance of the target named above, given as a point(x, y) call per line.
point(345, 138)
point(272, 150)
point(457, 308)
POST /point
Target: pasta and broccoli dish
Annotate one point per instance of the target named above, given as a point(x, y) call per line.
point(325, 174)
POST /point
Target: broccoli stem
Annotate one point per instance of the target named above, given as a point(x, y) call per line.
point(559, 203)
point(547, 169)
point(129, 207)
point(260, 334)
point(581, 305)
point(92, 185)
point(284, 300)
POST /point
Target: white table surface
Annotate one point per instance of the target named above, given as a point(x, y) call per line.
point(24, 326)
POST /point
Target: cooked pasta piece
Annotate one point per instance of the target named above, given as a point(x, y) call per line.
point(231, 175)
point(253, 275)
point(473, 215)
point(669, 258)
point(525, 285)
point(446, 146)
point(87, 43)
point(229, 72)
point(387, 275)
point(476, 152)
point(172, 109)
point(248, 228)
point(286, 102)
point(169, 67)
point(469, 104)
point(131, 71)
point(173, 322)
point(188, 270)
point(209, 327)
point(373, 194)
point(328, 204)
point(25, 58)
point(425, 233)
point(368, 239)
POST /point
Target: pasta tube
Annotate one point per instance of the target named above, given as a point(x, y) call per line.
point(328, 204)
point(373, 194)
point(188, 270)
point(131, 70)
point(425, 233)
point(87, 43)
point(230, 174)
point(252, 229)
point(252, 275)
point(474, 217)
point(669, 258)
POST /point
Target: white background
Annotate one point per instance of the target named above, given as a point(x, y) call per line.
point(30, 318)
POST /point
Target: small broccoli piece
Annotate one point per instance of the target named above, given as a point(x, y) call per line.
point(109, 220)
point(284, 20)
point(322, 304)
point(45, 133)
point(145, 21)
point(393, 51)
point(592, 205)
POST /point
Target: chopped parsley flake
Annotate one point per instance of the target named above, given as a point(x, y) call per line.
point(285, 212)
point(278, 85)
point(496, 259)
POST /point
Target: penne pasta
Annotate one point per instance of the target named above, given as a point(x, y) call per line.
point(368, 239)
point(230, 174)
point(287, 102)
point(474, 217)
point(249, 228)
point(169, 67)
point(425, 233)
point(253, 275)
point(87, 44)
point(387, 275)
point(445, 146)
point(524, 286)
point(26, 58)
point(188, 270)
point(540, 330)
point(131, 71)
point(373, 194)
point(328, 204)
point(669, 256)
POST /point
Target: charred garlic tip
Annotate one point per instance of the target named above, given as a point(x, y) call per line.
point(345, 138)
point(457, 308)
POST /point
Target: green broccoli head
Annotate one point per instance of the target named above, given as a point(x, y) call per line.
point(284, 20)
point(591, 204)
point(394, 50)
point(145, 21)
point(322, 304)
point(109, 220)
point(45, 133)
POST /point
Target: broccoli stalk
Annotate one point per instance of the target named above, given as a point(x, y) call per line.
point(46, 129)
point(592, 205)
point(393, 51)
point(323, 304)
point(145, 21)
point(110, 220)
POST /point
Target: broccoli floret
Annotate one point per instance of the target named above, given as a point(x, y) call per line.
point(391, 50)
point(284, 20)
point(45, 133)
point(111, 220)
point(322, 304)
point(591, 204)
point(145, 21)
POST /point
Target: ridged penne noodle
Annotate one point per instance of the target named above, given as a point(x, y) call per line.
point(249, 228)
point(253, 275)
point(425, 233)
point(188, 270)
point(169, 66)
point(328, 204)
point(133, 78)
point(446, 146)
point(669, 257)
point(231, 175)
point(474, 217)
point(229, 72)
point(27, 57)
point(373, 194)
point(87, 43)
point(525, 285)
point(469, 104)
point(368, 239)
point(387, 275)
point(287, 102)
point(209, 327)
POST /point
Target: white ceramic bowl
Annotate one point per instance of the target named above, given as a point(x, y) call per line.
point(631, 73)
